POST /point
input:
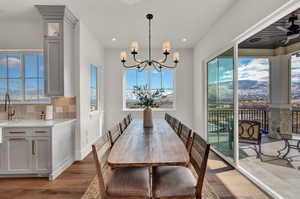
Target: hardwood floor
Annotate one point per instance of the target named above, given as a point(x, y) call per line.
point(227, 183)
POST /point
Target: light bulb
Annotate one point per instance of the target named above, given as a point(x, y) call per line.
point(134, 46)
point(123, 55)
point(176, 56)
point(166, 46)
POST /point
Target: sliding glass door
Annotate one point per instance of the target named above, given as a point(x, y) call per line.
point(220, 102)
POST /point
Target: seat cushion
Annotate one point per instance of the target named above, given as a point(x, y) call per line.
point(174, 181)
point(129, 182)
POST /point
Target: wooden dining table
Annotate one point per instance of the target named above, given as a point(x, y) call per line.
point(157, 146)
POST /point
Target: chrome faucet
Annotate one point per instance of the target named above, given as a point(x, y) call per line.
point(8, 108)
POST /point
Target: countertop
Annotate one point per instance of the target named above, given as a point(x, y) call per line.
point(33, 123)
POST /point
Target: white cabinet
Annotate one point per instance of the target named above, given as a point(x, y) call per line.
point(37, 151)
point(41, 154)
point(59, 50)
point(18, 154)
point(25, 151)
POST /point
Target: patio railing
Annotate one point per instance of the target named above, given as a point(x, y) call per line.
point(221, 119)
point(296, 120)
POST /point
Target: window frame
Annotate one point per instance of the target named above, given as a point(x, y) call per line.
point(97, 87)
point(21, 53)
point(124, 108)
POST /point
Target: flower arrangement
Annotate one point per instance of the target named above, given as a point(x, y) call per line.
point(147, 97)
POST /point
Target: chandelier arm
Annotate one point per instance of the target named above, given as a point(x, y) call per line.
point(157, 66)
point(165, 59)
point(133, 66)
point(135, 59)
point(165, 66)
point(142, 67)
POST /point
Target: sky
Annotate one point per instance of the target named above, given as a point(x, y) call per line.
point(249, 69)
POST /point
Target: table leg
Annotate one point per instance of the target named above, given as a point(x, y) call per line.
point(288, 149)
point(285, 146)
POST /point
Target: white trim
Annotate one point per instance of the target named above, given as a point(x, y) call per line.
point(61, 168)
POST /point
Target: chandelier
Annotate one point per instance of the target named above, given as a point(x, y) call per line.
point(140, 65)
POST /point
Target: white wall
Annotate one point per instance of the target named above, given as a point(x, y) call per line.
point(113, 87)
point(236, 21)
point(90, 52)
point(21, 34)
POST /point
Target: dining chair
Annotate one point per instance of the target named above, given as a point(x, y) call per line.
point(129, 118)
point(113, 134)
point(129, 182)
point(185, 134)
point(177, 126)
point(180, 182)
point(123, 125)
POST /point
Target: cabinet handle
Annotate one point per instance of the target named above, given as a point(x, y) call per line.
point(33, 147)
point(17, 138)
point(41, 131)
point(16, 132)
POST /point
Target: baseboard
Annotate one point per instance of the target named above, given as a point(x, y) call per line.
point(63, 166)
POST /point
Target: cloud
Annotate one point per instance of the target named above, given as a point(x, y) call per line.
point(254, 69)
point(13, 61)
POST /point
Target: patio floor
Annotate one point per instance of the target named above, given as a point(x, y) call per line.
point(282, 176)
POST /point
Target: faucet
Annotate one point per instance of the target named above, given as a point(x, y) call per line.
point(8, 108)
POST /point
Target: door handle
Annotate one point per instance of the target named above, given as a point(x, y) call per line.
point(33, 147)
point(16, 132)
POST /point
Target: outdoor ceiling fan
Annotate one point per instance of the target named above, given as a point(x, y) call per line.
point(292, 32)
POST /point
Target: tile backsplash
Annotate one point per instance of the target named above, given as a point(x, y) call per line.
point(63, 108)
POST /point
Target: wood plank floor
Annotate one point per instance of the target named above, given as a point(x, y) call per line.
point(227, 183)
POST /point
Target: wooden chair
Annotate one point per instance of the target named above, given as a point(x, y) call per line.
point(129, 118)
point(179, 182)
point(114, 134)
point(129, 183)
point(123, 125)
point(185, 134)
point(177, 126)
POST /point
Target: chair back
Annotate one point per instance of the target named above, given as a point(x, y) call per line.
point(129, 118)
point(185, 135)
point(122, 126)
point(113, 134)
point(249, 131)
point(199, 156)
point(101, 150)
point(177, 126)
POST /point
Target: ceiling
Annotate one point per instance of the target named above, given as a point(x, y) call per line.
point(271, 37)
point(125, 19)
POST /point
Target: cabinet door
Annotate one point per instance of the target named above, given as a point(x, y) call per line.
point(41, 154)
point(19, 156)
point(54, 71)
point(2, 158)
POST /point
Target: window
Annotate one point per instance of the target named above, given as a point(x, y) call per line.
point(295, 80)
point(94, 87)
point(253, 82)
point(22, 76)
point(153, 80)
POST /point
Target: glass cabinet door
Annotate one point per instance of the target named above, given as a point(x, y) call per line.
point(220, 103)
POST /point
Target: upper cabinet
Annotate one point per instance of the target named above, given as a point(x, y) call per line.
point(59, 50)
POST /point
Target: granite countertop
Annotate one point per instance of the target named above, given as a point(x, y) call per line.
point(33, 123)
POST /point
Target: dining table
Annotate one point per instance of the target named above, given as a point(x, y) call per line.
point(156, 146)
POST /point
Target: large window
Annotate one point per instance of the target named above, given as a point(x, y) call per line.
point(253, 82)
point(22, 76)
point(295, 80)
point(94, 88)
point(152, 80)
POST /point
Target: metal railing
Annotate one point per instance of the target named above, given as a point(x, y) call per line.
point(296, 120)
point(221, 120)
